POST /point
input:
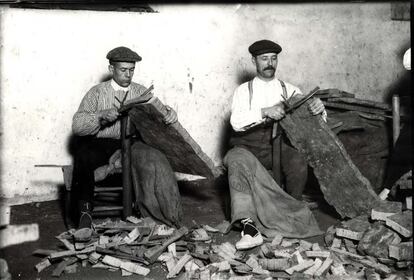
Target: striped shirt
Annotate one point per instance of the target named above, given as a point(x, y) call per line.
point(102, 97)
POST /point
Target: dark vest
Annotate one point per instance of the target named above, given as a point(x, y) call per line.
point(259, 139)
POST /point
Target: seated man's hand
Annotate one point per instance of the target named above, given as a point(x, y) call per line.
point(316, 107)
point(275, 112)
point(171, 116)
point(108, 115)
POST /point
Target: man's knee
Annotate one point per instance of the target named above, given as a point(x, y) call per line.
point(146, 153)
point(240, 156)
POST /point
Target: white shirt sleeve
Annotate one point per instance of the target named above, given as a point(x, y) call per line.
point(242, 117)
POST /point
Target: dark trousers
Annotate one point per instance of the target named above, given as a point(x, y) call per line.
point(289, 167)
point(155, 186)
point(90, 153)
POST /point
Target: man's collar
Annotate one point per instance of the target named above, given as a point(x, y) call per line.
point(117, 87)
point(265, 82)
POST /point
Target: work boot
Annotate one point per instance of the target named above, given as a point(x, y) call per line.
point(85, 210)
point(251, 237)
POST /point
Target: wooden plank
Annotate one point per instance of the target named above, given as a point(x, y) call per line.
point(357, 108)
point(346, 233)
point(312, 270)
point(409, 202)
point(66, 243)
point(332, 92)
point(401, 223)
point(324, 267)
point(256, 268)
point(305, 245)
point(362, 102)
point(336, 243)
point(112, 261)
point(278, 264)
point(381, 213)
point(183, 153)
point(17, 234)
point(371, 116)
point(42, 265)
point(380, 268)
point(402, 251)
point(94, 257)
point(318, 254)
point(277, 240)
point(343, 252)
point(153, 253)
point(68, 253)
point(282, 253)
point(299, 267)
point(43, 252)
point(61, 266)
point(338, 177)
point(132, 236)
point(135, 268)
point(180, 264)
point(316, 247)
point(121, 255)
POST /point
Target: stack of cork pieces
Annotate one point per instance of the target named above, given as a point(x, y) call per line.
point(361, 248)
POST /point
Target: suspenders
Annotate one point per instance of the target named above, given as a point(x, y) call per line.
point(250, 85)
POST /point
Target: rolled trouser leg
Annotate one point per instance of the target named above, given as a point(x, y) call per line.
point(241, 165)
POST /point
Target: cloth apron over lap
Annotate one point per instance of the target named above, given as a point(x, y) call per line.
point(155, 186)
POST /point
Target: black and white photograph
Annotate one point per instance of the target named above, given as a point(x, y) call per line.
point(205, 140)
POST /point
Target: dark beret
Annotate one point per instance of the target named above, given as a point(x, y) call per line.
point(123, 54)
point(264, 46)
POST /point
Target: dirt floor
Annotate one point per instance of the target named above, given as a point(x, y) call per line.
point(202, 205)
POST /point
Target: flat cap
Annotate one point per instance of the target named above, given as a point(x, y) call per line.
point(123, 54)
point(264, 46)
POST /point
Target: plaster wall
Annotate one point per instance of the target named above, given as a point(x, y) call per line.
point(50, 58)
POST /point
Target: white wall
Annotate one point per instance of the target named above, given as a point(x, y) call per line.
point(50, 58)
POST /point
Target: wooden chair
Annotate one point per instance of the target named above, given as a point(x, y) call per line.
point(115, 188)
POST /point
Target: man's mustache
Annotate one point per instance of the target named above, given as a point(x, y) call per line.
point(269, 68)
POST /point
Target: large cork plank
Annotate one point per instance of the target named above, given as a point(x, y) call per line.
point(343, 185)
point(183, 153)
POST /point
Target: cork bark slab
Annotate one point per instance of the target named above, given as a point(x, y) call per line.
point(183, 153)
point(343, 185)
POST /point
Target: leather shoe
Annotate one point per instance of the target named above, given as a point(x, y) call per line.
point(85, 219)
point(247, 241)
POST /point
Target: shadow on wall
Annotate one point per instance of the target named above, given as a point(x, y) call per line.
point(105, 77)
point(225, 136)
point(244, 77)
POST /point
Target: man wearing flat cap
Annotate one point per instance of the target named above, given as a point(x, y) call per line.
point(258, 203)
point(98, 125)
